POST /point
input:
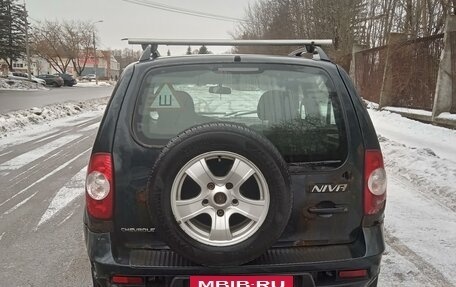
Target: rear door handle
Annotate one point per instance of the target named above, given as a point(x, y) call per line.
point(328, 210)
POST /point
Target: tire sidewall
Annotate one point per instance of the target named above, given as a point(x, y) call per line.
point(178, 153)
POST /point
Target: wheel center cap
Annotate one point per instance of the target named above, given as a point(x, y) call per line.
point(220, 198)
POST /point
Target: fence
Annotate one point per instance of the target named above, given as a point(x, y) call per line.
point(412, 72)
point(414, 76)
point(369, 70)
point(452, 40)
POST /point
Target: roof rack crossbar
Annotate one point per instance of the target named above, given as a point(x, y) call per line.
point(150, 45)
point(226, 42)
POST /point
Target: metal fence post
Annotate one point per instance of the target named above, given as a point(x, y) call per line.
point(387, 91)
point(445, 90)
point(355, 49)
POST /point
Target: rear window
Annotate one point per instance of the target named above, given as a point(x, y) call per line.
point(295, 107)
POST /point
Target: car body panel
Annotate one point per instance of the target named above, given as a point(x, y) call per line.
point(52, 80)
point(24, 76)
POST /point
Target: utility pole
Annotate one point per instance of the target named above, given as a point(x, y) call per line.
point(27, 44)
point(95, 63)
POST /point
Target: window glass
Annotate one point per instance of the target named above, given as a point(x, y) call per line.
point(295, 107)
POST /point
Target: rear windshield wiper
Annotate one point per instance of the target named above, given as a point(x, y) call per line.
point(315, 164)
point(240, 113)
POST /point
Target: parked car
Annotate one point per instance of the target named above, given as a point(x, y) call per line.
point(89, 77)
point(52, 80)
point(192, 174)
point(68, 80)
point(24, 76)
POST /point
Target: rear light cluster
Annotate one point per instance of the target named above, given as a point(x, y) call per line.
point(99, 186)
point(117, 279)
point(374, 182)
point(349, 274)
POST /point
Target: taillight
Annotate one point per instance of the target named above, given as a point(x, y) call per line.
point(99, 186)
point(347, 274)
point(374, 182)
point(127, 280)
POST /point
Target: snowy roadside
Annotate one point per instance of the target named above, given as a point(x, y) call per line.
point(433, 176)
point(420, 220)
point(93, 84)
point(419, 153)
point(14, 121)
point(19, 85)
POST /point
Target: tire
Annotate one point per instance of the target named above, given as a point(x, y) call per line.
point(261, 218)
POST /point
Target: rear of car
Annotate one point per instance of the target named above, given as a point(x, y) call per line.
point(89, 77)
point(310, 113)
point(68, 80)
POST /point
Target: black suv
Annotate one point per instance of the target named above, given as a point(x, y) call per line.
point(68, 80)
point(263, 167)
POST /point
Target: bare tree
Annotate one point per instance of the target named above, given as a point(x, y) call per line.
point(78, 43)
point(48, 43)
point(126, 56)
point(345, 21)
point(64, 43)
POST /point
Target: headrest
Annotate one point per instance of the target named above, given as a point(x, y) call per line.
point(276, 106)
point(185, 100)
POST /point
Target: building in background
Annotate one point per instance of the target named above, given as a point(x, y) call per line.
point(108, 67)
point(38, 66)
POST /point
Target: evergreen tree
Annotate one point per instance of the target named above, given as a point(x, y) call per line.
point(203, 50)
point(13, 22)
point(189, 50)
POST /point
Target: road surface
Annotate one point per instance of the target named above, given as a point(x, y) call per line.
point(42, 172)
point(19, 100)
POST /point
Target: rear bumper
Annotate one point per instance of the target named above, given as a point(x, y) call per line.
point(315, 262)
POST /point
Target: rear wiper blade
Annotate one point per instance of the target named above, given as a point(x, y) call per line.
point(240, 113)
point(313, 164)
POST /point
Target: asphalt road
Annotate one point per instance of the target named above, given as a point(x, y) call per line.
point(42, 173)
point(18, 100)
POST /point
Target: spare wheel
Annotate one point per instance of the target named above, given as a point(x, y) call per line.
point(220, 194)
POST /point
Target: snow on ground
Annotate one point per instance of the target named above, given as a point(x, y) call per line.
point(42, 131)
point(447, 116)
point(65, 195)
point(409, 111)
point(19, 85)
point(93, 84)
point(16, 120)
point(432, 175)
point(420, 220)
point(438, 140)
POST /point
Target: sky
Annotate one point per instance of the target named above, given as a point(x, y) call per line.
point(122, 19)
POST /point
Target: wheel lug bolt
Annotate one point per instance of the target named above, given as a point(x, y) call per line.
point(220, 212)
point(205, 201)
point(211, 185)
point(229, 185)
point(235, 202)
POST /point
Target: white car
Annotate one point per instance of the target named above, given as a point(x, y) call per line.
point(24, 76)
point(89, 77)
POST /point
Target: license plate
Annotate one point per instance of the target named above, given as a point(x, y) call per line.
point(241, 281)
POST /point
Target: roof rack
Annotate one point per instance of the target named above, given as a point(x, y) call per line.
point(150, 46)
